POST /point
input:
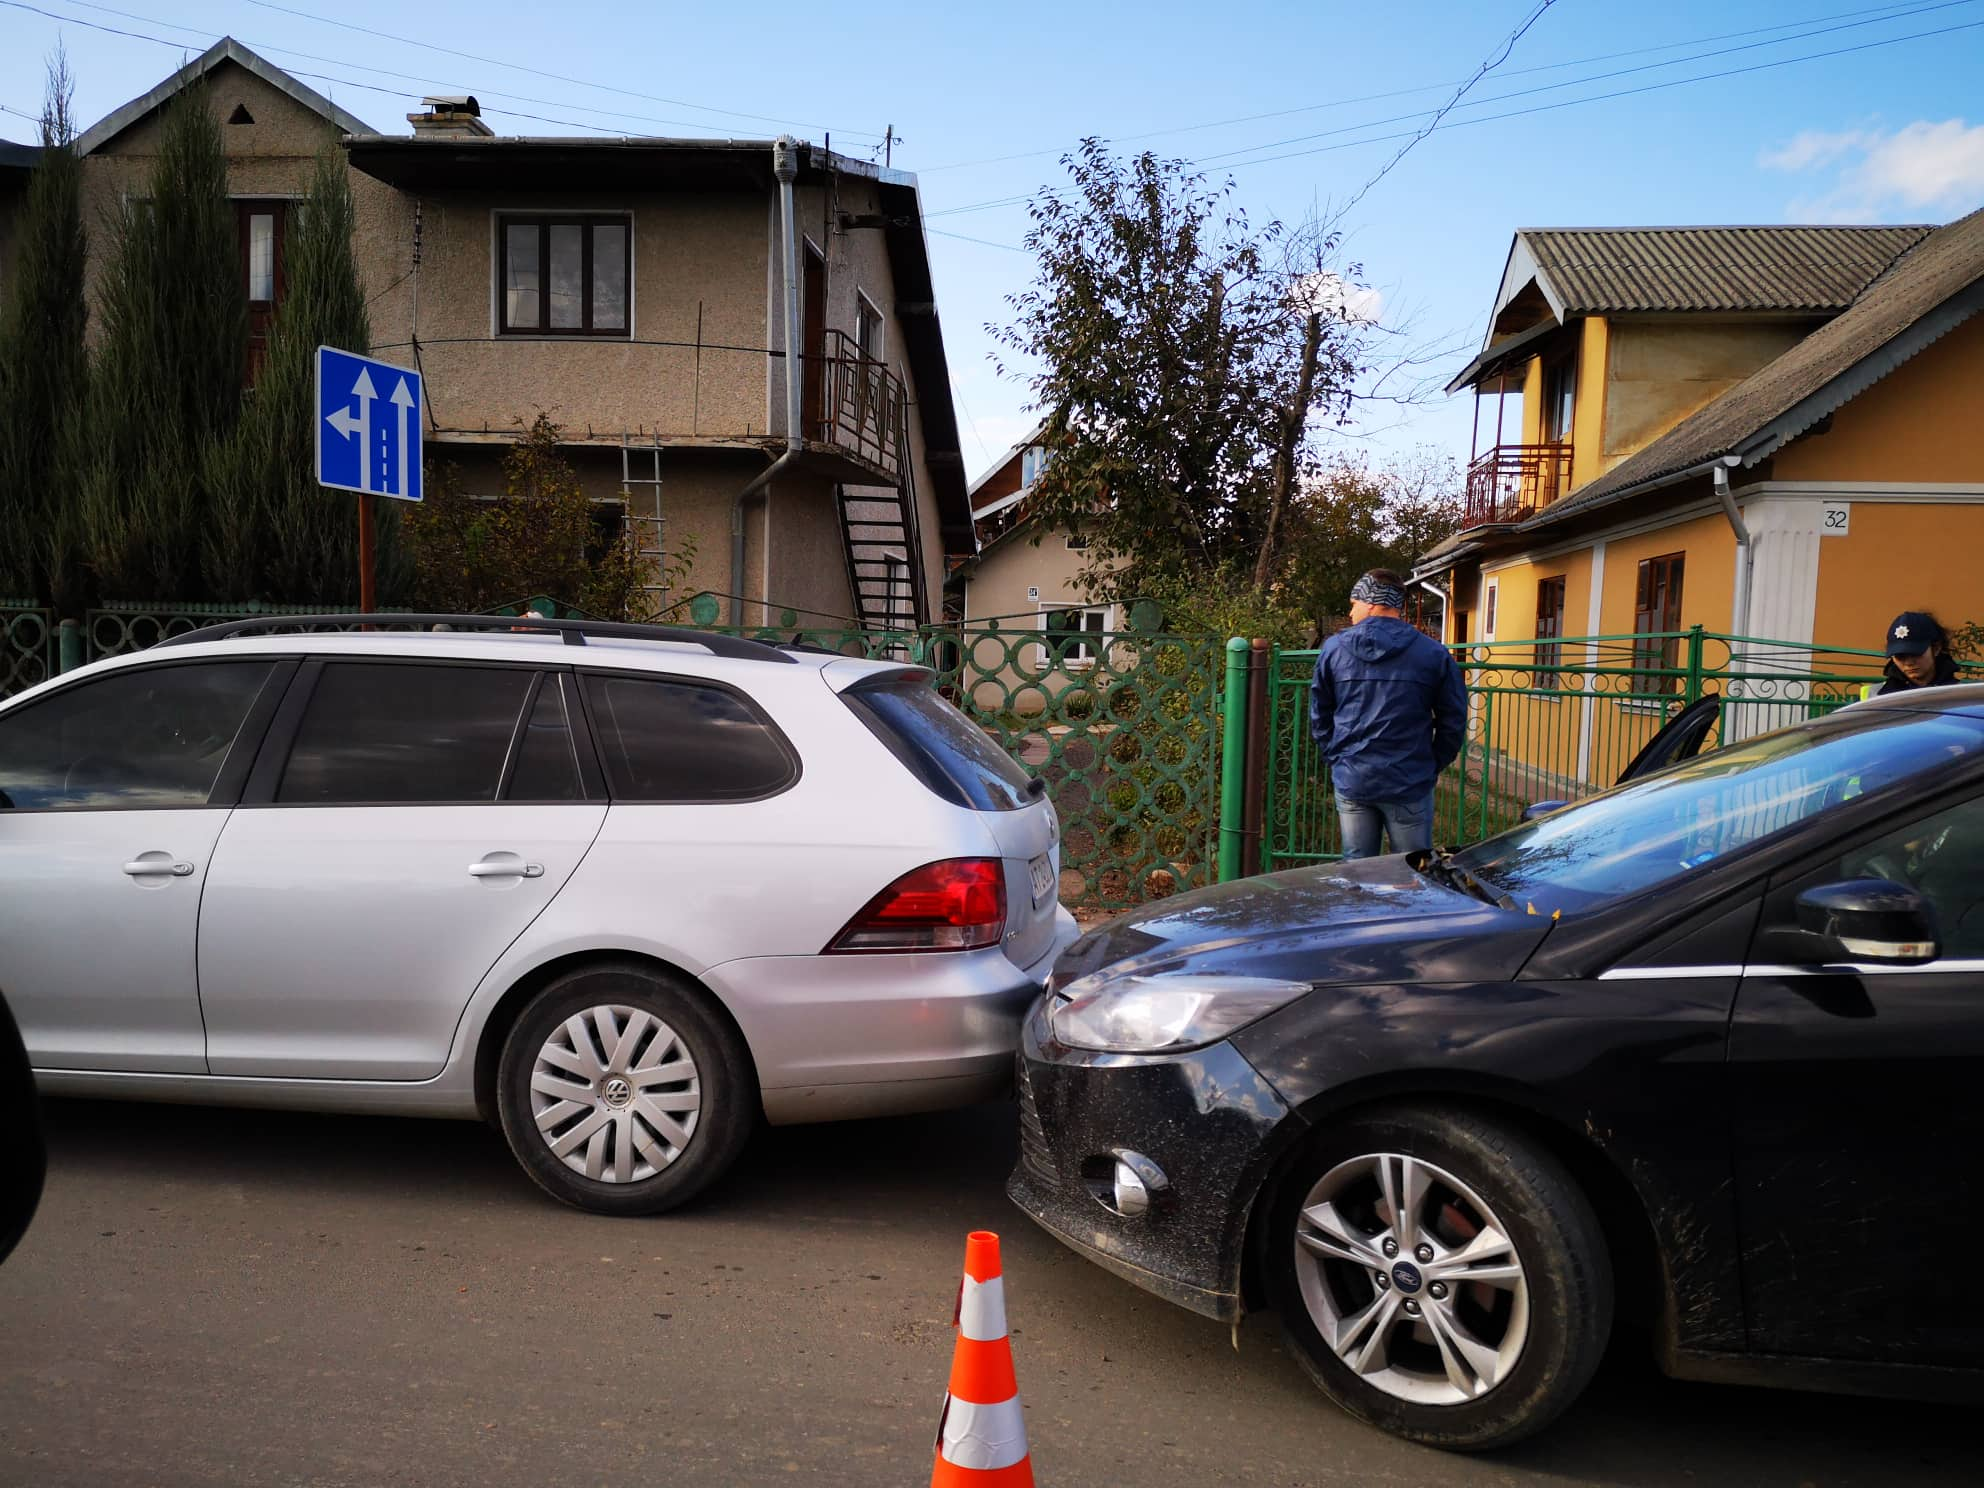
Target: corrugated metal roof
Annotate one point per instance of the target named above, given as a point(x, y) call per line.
point(1931, 289)
point(1613, 270)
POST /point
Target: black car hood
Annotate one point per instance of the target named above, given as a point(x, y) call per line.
point(1376, 920)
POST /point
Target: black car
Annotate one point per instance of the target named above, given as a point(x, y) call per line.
point(1705, 1051)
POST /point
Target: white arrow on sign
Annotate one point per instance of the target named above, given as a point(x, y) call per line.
point(403, 400)
point(364, 392)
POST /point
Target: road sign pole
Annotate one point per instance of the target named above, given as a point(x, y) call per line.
point(368, 591)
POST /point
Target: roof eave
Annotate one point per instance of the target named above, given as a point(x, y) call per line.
point(227, 49)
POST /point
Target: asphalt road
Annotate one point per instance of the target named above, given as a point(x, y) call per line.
point(255, 1298)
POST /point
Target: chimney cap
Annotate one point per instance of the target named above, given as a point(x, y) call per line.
point(453, 103)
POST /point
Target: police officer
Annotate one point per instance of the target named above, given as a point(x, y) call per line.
point(1918, 656)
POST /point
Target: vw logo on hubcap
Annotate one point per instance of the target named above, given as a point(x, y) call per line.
point(616, 1091)
point(1406, 1277)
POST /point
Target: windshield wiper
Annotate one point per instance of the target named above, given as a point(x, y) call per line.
point(1440, 863)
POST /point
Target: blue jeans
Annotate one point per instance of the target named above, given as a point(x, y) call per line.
point(1364, 822)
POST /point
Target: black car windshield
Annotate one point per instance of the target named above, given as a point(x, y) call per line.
point(1644, 834)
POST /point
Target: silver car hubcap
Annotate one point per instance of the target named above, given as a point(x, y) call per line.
point(1411, 1279)
point(615, 1094)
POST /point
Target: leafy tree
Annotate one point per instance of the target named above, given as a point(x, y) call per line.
point(1355, 517)
point(1183, 358)
point(44, 373)
point(275, 534)
point(541, 536)
point(166, 387)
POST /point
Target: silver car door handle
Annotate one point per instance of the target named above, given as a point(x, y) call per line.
point(506, 870)
point(139, 868)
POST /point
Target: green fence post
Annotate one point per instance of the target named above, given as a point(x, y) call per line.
point(1233, 762)
point(69, 646)
point(1694, 664)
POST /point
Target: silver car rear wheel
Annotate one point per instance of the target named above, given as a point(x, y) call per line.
point(1411, 1279)
point(615, 1094)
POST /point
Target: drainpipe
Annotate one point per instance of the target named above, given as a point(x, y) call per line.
point(785, 166)
point(1746, 553)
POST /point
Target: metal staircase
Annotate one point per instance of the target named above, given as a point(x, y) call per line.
point(880, 539)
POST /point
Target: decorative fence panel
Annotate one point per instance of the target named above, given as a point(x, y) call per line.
point(1557, 720)
point(27, 647)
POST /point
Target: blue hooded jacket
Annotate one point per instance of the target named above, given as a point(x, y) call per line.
point(1389, 710)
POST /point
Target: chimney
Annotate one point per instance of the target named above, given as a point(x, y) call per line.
point(456, 116)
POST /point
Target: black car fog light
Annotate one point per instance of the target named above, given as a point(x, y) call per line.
point(1125, 1183)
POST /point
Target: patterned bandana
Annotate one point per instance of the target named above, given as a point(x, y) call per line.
point(1374, 592)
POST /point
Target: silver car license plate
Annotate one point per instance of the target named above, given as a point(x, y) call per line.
point(1042, 869)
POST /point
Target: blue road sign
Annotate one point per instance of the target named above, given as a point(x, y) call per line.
point(368, 425)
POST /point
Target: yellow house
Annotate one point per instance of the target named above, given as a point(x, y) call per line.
point(1765, 432)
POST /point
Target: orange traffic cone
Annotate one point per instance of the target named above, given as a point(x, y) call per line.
point(981, 1440)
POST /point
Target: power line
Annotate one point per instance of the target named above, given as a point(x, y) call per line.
point(1434, 123)
point(425, 82)
point(964, 238)
point(1016, 199)
point(1596, 77)
point(540, 72)
point(1880, 13)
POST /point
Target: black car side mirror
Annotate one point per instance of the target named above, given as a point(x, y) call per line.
point(1539, 809)
point(1871, 919)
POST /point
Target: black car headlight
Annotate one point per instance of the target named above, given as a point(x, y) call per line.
point(1161, 1014)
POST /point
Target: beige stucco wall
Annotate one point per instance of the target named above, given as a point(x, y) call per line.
point(1660, 371)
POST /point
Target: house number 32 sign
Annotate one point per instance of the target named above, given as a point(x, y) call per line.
point(1833, 523)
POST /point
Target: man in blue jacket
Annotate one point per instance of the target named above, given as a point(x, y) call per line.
point(1389, 711)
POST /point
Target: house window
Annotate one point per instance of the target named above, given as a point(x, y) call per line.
point(1032, 461)
point(1656, 618)
point(1491, 594)
point(867, 328)
point(1560, 396)
point(1549, 627)
point(1077, 542)
point(260, 229)
point(565, 276)
point(1088, 626)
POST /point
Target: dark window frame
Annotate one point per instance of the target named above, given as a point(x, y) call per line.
point(544, 222)
point(1550, 630)
point(1663, 575)
point(231, 779)
point(795, 765)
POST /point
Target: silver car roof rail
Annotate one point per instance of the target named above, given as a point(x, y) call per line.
point(574, 632)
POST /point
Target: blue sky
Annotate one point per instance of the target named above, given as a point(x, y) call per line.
point(1889, 132)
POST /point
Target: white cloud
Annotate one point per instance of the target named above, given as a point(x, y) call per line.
point(1330, 294)
point(1921, 167)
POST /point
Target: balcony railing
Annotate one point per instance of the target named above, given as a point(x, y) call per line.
point(856, 404)
point(1512, 481)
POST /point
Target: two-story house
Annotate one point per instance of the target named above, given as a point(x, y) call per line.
point(653, 296)
point(1763, 431)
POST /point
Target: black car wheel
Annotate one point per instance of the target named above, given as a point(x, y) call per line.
point(1441, 1275)
point(622, 1091)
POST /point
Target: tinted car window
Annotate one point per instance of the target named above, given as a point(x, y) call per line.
point(677, 741)
point(144, 739)
point(380, 733)
point(547, 767)
point(1942, 856)
point(1643, 835)
point(940, 746)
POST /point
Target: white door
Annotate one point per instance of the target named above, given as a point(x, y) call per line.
point(112, 793)
point(425, 814)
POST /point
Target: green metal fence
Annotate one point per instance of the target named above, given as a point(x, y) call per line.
point(1557, 719)
point(1124, 727)
point(27, 646)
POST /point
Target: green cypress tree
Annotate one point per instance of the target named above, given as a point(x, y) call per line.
point(44, 373)
point(278, 536)
point(167, 380)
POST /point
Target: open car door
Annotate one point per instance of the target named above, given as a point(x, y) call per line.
point(1680, 738)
